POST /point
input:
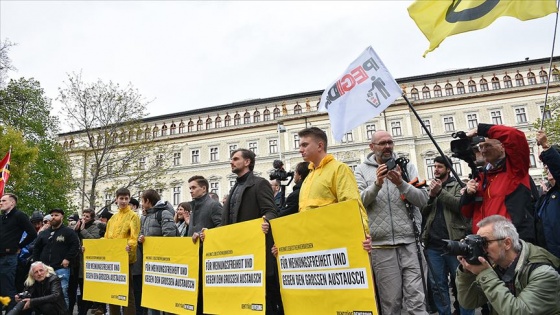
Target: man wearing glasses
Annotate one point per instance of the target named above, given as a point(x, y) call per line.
point(522, 279)
point(394, 255)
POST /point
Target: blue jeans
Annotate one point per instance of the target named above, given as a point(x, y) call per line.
point(8, 266)
point(64, 275)
point(440, 266)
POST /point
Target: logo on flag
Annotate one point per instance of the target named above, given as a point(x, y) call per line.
point(363, 91)
point(5, 172)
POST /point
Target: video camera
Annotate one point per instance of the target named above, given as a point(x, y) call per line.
point(279, 173)
point(471, 247)
point(462, 148)
point(19, 306)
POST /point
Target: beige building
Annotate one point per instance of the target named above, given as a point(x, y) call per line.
point(511, 94)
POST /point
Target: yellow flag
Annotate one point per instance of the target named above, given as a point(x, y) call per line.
point(438, 19)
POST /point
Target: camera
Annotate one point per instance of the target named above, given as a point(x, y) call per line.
point(391, 164)
point(471, 247)
point(462, 148)
point(279, 173)
point(19, 306)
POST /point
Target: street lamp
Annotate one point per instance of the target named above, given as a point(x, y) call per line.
point(281, 128)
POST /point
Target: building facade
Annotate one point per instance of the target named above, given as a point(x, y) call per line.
point(512, 94)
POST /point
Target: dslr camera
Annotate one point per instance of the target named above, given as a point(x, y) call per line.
point(279, 173)
point(19, 306)
point(471, 247)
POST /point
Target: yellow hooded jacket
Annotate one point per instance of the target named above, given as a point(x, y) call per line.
point(125, 224)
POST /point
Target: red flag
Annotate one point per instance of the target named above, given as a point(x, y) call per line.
point(5, 172)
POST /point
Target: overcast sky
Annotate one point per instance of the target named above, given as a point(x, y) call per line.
point(185, 55)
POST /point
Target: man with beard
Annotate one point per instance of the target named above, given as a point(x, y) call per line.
point(394, 254)
point(521, 280)
point(58, 247)
point(86, 229)
point(443, 220)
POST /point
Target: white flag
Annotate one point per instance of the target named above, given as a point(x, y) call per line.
point(363, 91)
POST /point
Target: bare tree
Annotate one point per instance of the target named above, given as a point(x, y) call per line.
point(5, 61)
point(115, 150)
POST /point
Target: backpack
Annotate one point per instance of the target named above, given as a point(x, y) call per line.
point(159, 216)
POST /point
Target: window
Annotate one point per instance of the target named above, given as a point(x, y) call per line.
point(276, 113)
point(236, 120)
point(142, 163)
point(190, 126)
point(155, 132)
point(176, 195)
point(256, 116)
point(437, 91)
point(519, 80)
point(428, 125)
point(164, 130)
point(449, 124)
point(296, 141)
point(253, 147)
point(472, 86)
point(520, 115)
point(109, 168)
point(108, 198)
point(218, 122)
point(496, 117)
point(147, 133)
point(138, 134)
point(232, 147)
point(199, 125)
point(532, 161)
point(208, 123)
point(396, 128)
point(348, 137)
point(273, 146)
point(266, 115)
point(507, 82)
point(182, 127)
point(414, 94)
point(195, 156)
point(543, 76)
point(495, 83)
point(472, 121)
point(215, 188)
point(173, 129)
point(125, 167)
point(430, 168)
point(531, 78)
point(448, 89)
point(231, 184)
point(176, 158)
point(247, 118)
point(426, 93)
point(555, 75)
point(227, 121)
point(483, 85)
point(297, 109)
point(457, 166)
point(213, 154)
point(159, 160)
point(547, 114)
point(370, 130)
point(460, 88)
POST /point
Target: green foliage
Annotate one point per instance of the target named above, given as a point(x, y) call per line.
point(552, 124)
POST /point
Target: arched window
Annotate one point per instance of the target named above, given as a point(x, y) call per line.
point(483, 84)
point(147, 133)
point(218, 122)
point(495, 83)
point(472, 86)
point(531, 78)
point(437, 91)
point(519, 80)
point(71, 145)
point(276, 113)
point(297, 109)
point(172, 129)
point(507, 82)
point(414, 94)
point(448, 89)
point(246, 118)
point(544, 76)
point(65, 145)
point(236, 120)
point(114, 138)
point(190, 126)
point(266, 115)
point(227, 121)
point(131, 135)
point(123, 136)
point(182, 127)
point(139, 134)
point(208, 123)
point(460, 88)
point(155, 131)
point(256, 116)
point(164, 130)
point(555, 75)
point(426, 93)
point(199, 124)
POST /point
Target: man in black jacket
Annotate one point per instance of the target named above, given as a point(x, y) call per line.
point(12, 225)
point(43, 286)
point(58, 247)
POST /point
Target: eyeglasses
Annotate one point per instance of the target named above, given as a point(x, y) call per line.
point(45, 222)
point(385, 143)
point(487, 241)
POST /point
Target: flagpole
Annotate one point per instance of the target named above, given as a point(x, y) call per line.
point(433, 140)
point(550, 67)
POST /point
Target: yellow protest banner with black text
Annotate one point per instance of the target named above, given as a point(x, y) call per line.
point(233, 265)
point(321, 258)
point(106, 271)
point(170, 274)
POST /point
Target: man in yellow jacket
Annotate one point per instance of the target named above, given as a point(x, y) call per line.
point(125, 224)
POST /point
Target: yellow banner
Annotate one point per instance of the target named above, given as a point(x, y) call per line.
point(234, 269)
point(442, 18)
point(106, 271)
point(321, 258)
point(170, 274)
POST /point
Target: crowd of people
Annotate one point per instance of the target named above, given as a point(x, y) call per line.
point(407, 229)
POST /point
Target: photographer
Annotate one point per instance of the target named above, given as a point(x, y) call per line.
point(44, 291)
point(504, 187)
point(523, 279)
